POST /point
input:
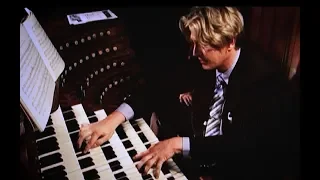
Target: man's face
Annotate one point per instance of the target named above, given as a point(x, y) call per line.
point(209, 57)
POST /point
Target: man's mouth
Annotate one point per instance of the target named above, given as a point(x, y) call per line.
point(201, 61)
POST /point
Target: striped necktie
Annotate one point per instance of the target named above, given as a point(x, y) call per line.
point(213, 124)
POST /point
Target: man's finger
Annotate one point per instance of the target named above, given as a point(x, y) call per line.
point(185, 101)
point(84, 125)
point(139, 155)
point(82, 136)
point(156, 171)
point(92, 141)
point(152, 144)
point(189, 100)
point(151, 162)
point(143, 161)
point(101, 140)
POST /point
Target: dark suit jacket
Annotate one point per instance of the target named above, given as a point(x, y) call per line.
point(263, 138)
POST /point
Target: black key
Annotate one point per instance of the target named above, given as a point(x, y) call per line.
point(86, 162)
point(49, 122)
point(108, 152)
point(165, 168)
point(47, 145)
point(143, 137)
point(119, 175)
point(58, 175)
point(115, 168)
point(51, 159)
point(114, 163)
point(82, 154)
point(69, 115)
point(47, 141)
point(107, 14)
point(54, 170)
point(141, 170)
point(133, 123)
point(72, 125)
point(124, 178)
point(132, 153)
point(74, 138)
point(93, 119)
point(89, 113)
point(127, 144)
point(83, 146)
point(107, 142)
point(47, 132)
point(121, 133)
point(109, 156)
point(91, 174)
point(46, 149)
point(148, 145)
point(136, 128)
point(170, 178)
point(65, 108)
point(147, 176)
point(107, 149)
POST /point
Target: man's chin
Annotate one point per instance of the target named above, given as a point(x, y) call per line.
point(206, 67)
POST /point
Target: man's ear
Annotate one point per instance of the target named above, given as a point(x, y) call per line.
point(232, 44)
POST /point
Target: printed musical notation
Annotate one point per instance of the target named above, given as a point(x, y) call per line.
point(40, 67)
point(51, 57)
point(36, 83)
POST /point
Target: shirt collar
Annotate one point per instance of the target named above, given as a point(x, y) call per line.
point(225, 75)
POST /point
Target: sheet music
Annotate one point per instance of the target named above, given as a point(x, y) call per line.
point(52, 58)
point(36, 84)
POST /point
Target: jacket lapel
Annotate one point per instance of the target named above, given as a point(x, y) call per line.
point(201, 101)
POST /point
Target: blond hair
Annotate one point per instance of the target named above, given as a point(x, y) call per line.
point(213, 26)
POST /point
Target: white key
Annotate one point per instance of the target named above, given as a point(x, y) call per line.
point(120, 151)
point(137, 143)
point(173, 168)
point(80, 114)
point(76, 175)
point(147, 130)
point(101, 114)
point(105, 172)
point(66, 150)
point(117, 146)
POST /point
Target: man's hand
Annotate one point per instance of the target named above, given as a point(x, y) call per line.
point(157, 154)
point(99, 132)
point(186, 98)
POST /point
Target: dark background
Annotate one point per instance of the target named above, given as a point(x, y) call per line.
point(155, 37)
point(162, 50)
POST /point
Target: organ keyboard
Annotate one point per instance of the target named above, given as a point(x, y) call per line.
point(60, 158)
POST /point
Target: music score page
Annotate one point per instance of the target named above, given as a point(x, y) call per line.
point(36, 84)
point(48, 52)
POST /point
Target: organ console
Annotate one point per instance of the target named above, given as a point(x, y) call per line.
point(60, 158)
point(100, 72)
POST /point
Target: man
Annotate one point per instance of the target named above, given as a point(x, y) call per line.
point(243, 116)
point(243, 111)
